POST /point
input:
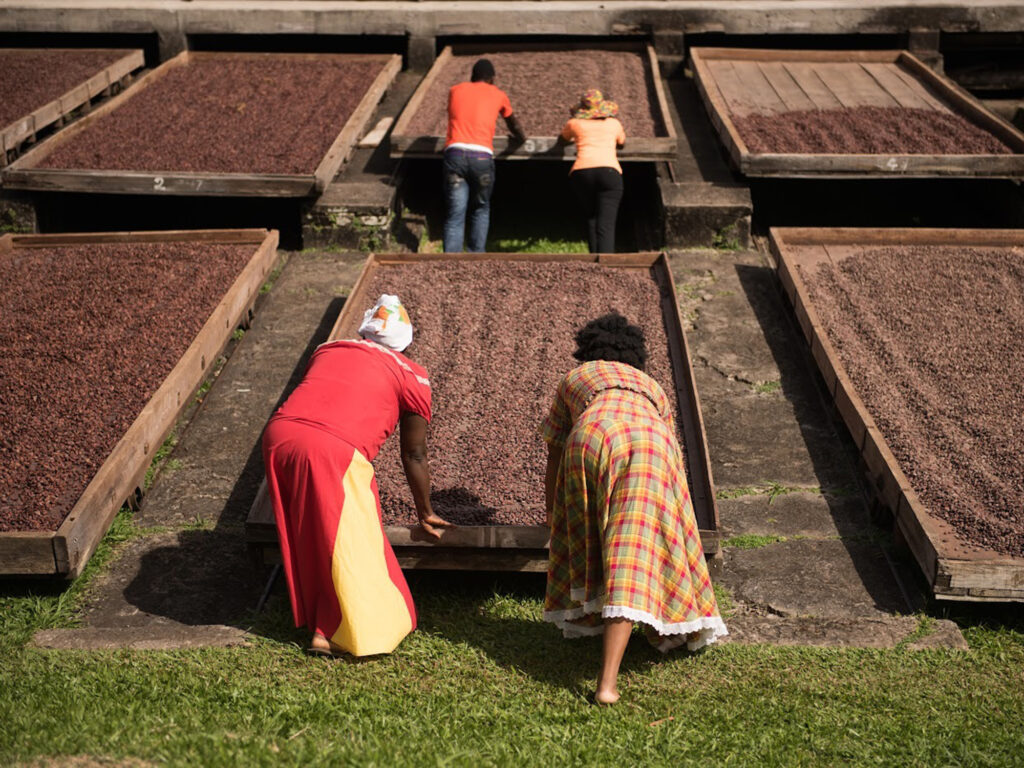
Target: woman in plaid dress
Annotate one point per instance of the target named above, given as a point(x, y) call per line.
point(624, 541)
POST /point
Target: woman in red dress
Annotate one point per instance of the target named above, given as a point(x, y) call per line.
point(343, 579)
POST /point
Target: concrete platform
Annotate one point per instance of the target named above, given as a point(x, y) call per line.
point(174, 20)
point(822, 575)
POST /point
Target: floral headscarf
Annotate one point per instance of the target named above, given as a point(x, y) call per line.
point(593, 106)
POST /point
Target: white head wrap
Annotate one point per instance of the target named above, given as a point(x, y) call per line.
point(387, 323)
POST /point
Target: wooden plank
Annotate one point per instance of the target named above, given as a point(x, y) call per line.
point(526, 561)
point(883, 166)
point(786, 88)
point(852, 86)
point(793, 236)
point(376, 135)
point(788, 55)
point(26, 553)
point(804, 75)
point(123, 469)
point(159, 236)
point(659, 90)
point(756, 90)
point(733, 90)
point(16, 133)
point(342, 147)
point(167, 183)
point(907, 92)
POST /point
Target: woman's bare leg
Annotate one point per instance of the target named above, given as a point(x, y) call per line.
point(616, 637)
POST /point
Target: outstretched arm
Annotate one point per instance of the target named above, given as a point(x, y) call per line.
point(413, 428)
point(550, 479)
point(515, 128)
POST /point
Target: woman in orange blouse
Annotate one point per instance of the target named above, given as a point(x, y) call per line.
point(596, 176)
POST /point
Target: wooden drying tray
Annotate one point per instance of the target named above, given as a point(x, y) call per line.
point(25, 173)
point(519, 547)
point(955, 569)
point(108, 80)
point(738, 81)
point(65, 552)
point(406, 144)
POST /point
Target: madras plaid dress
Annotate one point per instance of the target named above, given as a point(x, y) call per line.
point(624, 539)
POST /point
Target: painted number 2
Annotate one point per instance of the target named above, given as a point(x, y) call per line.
point(158, 184)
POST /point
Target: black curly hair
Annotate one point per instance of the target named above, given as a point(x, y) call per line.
point(611, 337)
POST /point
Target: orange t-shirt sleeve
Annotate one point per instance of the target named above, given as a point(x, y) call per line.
point(569, 132)
point(505, 108)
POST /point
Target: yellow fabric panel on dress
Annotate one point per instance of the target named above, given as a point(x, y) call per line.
point(374, 616)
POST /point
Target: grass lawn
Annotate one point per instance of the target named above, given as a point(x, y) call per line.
point(485, 682)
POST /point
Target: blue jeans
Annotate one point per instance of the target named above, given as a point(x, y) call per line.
point(468, 183)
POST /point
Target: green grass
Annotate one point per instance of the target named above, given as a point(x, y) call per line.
point(485, 682)
point(752, 541)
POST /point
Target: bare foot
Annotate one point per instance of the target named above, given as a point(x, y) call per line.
point(606, 698)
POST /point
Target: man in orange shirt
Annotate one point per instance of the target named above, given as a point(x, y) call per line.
point(473, 109)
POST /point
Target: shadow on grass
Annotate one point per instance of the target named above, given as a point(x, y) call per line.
point(499, 614)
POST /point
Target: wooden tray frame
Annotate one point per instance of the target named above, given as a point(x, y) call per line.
point(523, 547)
point(953, 568)
point(15, 134)
point(405, 144)
point(65, 551)
point(794, 165)
point(24, 173)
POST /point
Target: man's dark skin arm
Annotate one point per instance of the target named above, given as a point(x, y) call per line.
point(515, 128)
point(413, 436)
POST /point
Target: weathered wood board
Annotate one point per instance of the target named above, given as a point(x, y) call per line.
point(66, 551)
point(955, 569)
point(735, 82)
point(106, 81)
point(25, 172)
point(405, 143)
point(512, 547)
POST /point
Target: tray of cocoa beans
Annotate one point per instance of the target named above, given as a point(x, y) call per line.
point(496, 334)
point(104, 338)
point(917, 335)
point(42, 88)
point(849, 114)
point(544, 82)
point(212, 123)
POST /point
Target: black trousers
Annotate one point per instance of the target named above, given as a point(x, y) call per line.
point(599, 191)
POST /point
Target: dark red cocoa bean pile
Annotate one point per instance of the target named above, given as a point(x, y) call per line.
point(496, 338)
point(31, 79)
point(867, 131)
point(87, 335)
point(255, 113)
point(932, 338)
point(544, 85)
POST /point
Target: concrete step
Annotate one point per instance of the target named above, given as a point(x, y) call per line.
point(704, 204)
